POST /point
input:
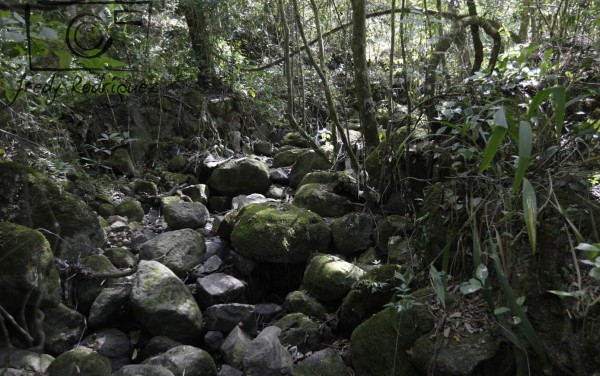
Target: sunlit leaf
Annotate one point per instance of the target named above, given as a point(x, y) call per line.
point(482, 273)
point(501, 310)
point(530, 213)
point(525, 146)
point(13, 37)
point(568, 294)
point(492, 147)
point(588, 247)
point(537, 100)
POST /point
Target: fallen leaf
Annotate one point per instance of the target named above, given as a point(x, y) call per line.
point(446, 332)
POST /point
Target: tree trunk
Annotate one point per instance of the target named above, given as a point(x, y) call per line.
point(196, 16)
point(366, 106)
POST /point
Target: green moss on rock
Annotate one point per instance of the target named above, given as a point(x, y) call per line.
point(279, 234)
point(329, 278)
point(80, 361)
point(131, 209)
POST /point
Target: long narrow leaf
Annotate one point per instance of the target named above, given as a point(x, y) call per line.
point(559, 96)
point(492, 147)
point(537, 100)
point(530, 213)
point(525, 146)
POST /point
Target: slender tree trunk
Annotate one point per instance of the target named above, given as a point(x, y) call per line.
point(196, 17)
point(366, 105)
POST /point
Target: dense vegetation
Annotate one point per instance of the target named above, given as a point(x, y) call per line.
point(479, 120)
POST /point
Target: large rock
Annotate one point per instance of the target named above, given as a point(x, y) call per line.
point(266, 356)
point(288, 157)
point(454, 358)
point(80, 361)
point(179, 250)
point(111, 306)
point(88, 289)
point(234, 347)
point(181, 214)
point(301, 301)
point(330, 278)
point(326, 362)
point(220, 288)
point(132, 209)
point(321, 199)
point(307, 162)
point(352, 232)
point(164, 305)
point(392, 225)
point(299, 330)
point(279, 234)
point(63, 327)
point(29, 361)
point(185, 360)
point(367, 297)
point(240, 176)
point(113, 344)
point(143, 370)
point(31, 199)
point(380, 344)
point(27, 269)
point(225, 317)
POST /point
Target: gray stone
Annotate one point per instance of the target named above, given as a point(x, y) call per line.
point(225, 317)
point(80, 361)
point(266, 356)
point(180, 214)
point(285, 234)
point(164, 305)
point(29, 361)
point(219, 288)
point(121, 257)
point(111, 305)
point(179, 250)
point(88, 289)
point(234, 347)
point(240, 176)
point(388, 227)
point(279, 176)
point(278, 192)
point(198, 193)
point(143, 370)
point(185, 360)
point(113, 344)
point(227, 370)
point(326, 362)
point(352, 232)
point(63, 327)
point(288, 157)
point(16, 372)
point(219, 204)
point(330, 278)
point(158, 345)
point(240, 201)
point(213, 340)
point(211, 265)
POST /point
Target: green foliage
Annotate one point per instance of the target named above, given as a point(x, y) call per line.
point(402, 300)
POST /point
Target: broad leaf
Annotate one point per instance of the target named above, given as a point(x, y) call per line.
point(525, 146)
point(492, 147)
point(482, 273)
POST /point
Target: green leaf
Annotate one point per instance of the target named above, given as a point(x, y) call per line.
point(525, 146)
point(2, 151)
point(9, 36)
point(537, 100)
point(470, 287)
point(595, 273)
point(492, 147)
point(530, 213)
point(482, 273)
point(48, 34)
point(588, 247)
point(501, 310)
point(500, 118)
point(559, 96)
point(438, 285)
point(563, 294)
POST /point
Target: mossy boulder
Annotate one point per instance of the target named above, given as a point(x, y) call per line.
point(285, 234)
point(164, 305)
point(170, 180)
point(240, 176)
point(80, 361)
point(121, 161)
point(132, 209)
point(29, 198)
point(299, 330)
point(288, 157)
point(454, 357)
point(177, 163)
point(301, 301)
point(185, 360)
point(29, 361)
point(121, 257)
point(89, 288)
point(321, 199)
point(391, 225)
point(329, 278)
point(294, 139)
point(64, 328)
point(145, 188)
point(379, 345)
point(307, 162)
point(27, 269)
point(368, 296)
point(327, 362)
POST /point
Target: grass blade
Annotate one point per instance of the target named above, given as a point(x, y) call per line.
point(530, 213)
point(525, 147)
